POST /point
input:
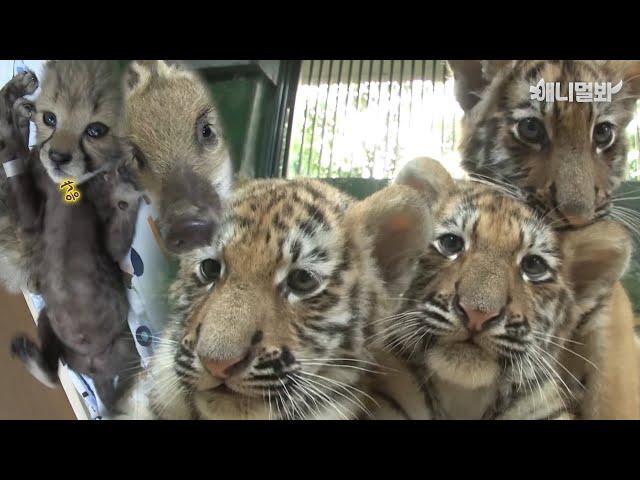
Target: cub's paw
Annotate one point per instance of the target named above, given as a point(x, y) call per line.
point(25, 83)
point(23, 108)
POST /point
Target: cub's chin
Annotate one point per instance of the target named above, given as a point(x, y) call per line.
point(216, 401)
point(464, 364)
point(223, 404)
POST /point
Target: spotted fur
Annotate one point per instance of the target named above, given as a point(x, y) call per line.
point(76, 246)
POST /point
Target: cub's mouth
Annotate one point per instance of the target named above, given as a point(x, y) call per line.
point(210, 385)
point(222, 389)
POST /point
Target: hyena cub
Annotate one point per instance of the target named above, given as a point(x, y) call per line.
point(181, 156)
point(79, 244)
point(15, 112)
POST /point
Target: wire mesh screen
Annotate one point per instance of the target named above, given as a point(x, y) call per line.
point(366, 118)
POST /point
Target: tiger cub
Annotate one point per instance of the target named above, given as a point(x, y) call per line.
point(569, 157)
point(270, 320)
point(492, 302)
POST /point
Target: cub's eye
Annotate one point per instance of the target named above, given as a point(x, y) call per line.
point(603, 134)
point(210, 270)
point(96, 130)
point(450, 245)
point(207, 134)
point(531, 130)
point(207, 131)
point(302, 281)
point(535, 268)
point(49, 119)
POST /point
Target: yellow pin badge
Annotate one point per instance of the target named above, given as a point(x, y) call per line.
point(70, 192)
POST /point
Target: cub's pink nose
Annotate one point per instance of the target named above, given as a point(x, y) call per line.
point(220, 368)
point(475, 318)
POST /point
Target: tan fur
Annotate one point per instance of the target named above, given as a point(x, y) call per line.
point(570, 178)
point(165, 106)
point(614, 386)
point(265, 224)
point(89, 94)
point(489, 276)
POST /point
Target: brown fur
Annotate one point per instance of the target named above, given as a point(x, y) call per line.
point(84, 322)
point(167, 110)
point(250, 312)
point(566, 177)
point(497, 377)
point(15, 112)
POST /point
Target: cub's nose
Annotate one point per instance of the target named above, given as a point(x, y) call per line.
point(59, 158)
point(188, 234)
point(224, 368)
point(578, 220)
point(476, 319)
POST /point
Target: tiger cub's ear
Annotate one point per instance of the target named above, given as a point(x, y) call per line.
point(629, 72)
point(427, 176)
point(397, 223)
point(471, 77)
point(596, 257)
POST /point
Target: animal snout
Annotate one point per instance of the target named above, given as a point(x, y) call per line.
point(474, 318)
point(224, 368)
point(189, 233)
point(577, 213)
point(577, 220)
point(59, 158)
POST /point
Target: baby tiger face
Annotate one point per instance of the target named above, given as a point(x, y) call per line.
point(494, 291)
point(569, 156)
point(270, 318)
point(490, 292)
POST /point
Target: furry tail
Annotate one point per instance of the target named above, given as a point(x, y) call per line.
point(27, 351)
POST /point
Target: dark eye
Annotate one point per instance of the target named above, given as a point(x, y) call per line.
point(531, 130)
point(49, 119)
point(210, 270)
point(207, 131)
point(208, 134)
point(302, 281)
point(534, 267)
point(97, 130)
point(603, 134)
point(450, 244)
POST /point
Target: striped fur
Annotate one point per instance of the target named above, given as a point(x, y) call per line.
point(307, 356)
point(566, 174)
point(571, 180)
point(510, 369)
